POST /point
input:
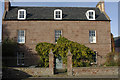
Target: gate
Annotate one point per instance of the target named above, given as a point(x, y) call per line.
point(58, 63)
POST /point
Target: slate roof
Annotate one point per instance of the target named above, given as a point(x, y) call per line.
point(117, 41)
point(47, 13)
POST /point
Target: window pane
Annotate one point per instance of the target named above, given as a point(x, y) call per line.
point(21, 16)
point(90, 15)
point(94, 39)
point(91, 39)
point(22, 31)
point(93, 32)
point(92, 36)
point(21, 36)
point(57, 16)
point(21, 12)
point(58, 12)
point(57, 34)
point(22, 39)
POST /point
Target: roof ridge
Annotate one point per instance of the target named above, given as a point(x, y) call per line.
point(48, 7)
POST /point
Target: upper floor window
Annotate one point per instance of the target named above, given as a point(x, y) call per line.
point(21, 36)
point(90, 14)
point(58, 33)
point(21, 14)
point(58, 14)
point(92, 36)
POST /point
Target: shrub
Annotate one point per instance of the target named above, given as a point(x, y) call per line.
point(112, 59)
point(82, 55)
point(9, 47)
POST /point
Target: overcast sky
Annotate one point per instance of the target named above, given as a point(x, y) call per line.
point(111, 9)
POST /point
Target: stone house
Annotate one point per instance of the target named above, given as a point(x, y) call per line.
point(30, 25)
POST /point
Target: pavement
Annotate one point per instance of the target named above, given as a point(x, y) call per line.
point(65, 77)
point(41, 78)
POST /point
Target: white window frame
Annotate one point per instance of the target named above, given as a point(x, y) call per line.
point(55, 36)
point(56, 14)
point(24, 14)
point(87, 14)
point(93, 37)
point(21, 36)
point(19, 57)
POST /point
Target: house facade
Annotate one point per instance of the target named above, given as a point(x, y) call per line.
point(31, 25)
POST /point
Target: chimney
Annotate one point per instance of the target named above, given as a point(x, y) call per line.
point(101, 6)
point(7, 5)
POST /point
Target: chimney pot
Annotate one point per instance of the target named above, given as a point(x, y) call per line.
point(101, 6)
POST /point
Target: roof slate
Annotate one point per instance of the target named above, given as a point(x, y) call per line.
point(47, 13)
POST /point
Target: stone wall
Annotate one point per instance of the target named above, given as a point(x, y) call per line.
point(44, 31)
point(76, 71)
point(35, 71)
point(90, 71)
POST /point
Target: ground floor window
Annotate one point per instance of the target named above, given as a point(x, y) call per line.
point(94, 57)
point(20, 58)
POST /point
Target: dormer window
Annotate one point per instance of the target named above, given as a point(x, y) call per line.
point(90, 14)
point(57, 14)
point(21, 14)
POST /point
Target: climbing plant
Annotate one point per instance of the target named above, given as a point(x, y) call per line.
point(43, 50)
point(82, 55)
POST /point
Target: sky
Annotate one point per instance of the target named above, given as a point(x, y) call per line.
point(111, 9)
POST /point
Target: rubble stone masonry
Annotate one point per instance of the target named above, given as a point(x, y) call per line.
point(44, 31)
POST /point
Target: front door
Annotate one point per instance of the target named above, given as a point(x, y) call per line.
point(58, 63)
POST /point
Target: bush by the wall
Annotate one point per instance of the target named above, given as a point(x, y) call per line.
point(82, 55)
point(112, 59)
point(9, 47)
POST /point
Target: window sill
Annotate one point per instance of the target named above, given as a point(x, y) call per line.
point(21, 42)
point(92, 19)
point(93, 63)
point(21, 18)
point(57, 19)
point(92, 43)
point(21, 65)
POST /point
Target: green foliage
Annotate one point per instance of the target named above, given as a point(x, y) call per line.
point(43, 50)
point(82, 55)
point(112, 59)
point(9, 47)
